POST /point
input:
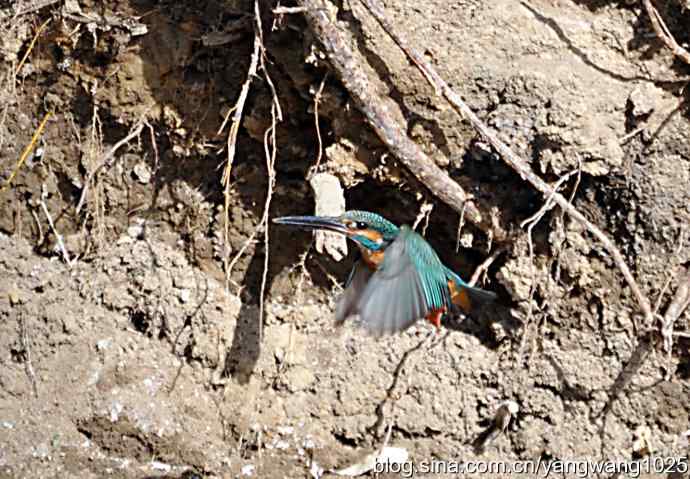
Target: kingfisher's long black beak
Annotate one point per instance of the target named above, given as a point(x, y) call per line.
point(314, 223)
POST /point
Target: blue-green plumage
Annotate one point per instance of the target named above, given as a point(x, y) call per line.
point(374, 222)
point(399, 278)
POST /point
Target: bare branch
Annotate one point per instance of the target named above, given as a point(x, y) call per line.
point(662, 32)
point(385, 119)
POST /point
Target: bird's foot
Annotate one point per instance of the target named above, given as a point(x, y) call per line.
point(434, 317)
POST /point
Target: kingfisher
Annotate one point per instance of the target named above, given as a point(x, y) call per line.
point(398, 278)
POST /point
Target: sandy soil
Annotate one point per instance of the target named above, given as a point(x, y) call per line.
point(141, 360)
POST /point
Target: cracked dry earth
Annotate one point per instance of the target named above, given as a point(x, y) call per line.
point(138, 362)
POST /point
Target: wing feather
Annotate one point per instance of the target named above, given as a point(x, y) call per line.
point(409, 284)
point(356, 283)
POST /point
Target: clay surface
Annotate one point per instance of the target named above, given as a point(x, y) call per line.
point(145, 359)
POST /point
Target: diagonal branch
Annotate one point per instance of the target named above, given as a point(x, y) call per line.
point(384, 117)
point(662, 32)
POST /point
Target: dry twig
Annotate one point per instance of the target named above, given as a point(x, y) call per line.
point(38, 226)
point(317, 100)
point(514, 161)
point(424, 214)
point(662, 32)
point(484, 267)
point(22, 7)
point(31, 47)
point(289, 10)
point(26, 344)
point(29, 148)
point(270, 150)
point(236, 112)
point(397, 374)
point(531, 222)
point(258, 60)
point(461, 223)
point(679, 303)
point(109, 160)
point(58, 236)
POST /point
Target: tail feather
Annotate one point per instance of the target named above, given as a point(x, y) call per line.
point(468, 297)
point(481, 295)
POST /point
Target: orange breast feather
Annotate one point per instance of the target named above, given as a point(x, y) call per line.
point(373, 259)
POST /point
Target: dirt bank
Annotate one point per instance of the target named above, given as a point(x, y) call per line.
point(144, 359)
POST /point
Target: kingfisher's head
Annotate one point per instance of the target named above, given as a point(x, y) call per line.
point(369, 230)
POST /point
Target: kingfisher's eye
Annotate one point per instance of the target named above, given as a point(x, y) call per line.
point(361, 225)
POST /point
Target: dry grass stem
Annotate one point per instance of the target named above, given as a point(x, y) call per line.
point(270, 151)
point(237, 112)
point(58, 236)
point(319, 154)
point(26, 345)
point(31, 46)
point(108, 160)
point(29, 148)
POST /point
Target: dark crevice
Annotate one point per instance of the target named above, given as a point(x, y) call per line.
point(344, 440)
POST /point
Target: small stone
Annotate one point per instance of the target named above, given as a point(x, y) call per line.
point(42, 451)
point(185, 295)
point(104, 344)
point(299, 378)
point(282, 445)
point(466, 240)
point(160, 466)
point(248, 470)
point(136, 231)
point(115, 410)
point(279, 355)
point(315, 470)
point(643, 99)
point(183, 281)
point(14, 296)
point(142, 172)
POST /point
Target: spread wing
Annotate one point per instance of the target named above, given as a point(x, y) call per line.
point(356, 282)
point(410, 283)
